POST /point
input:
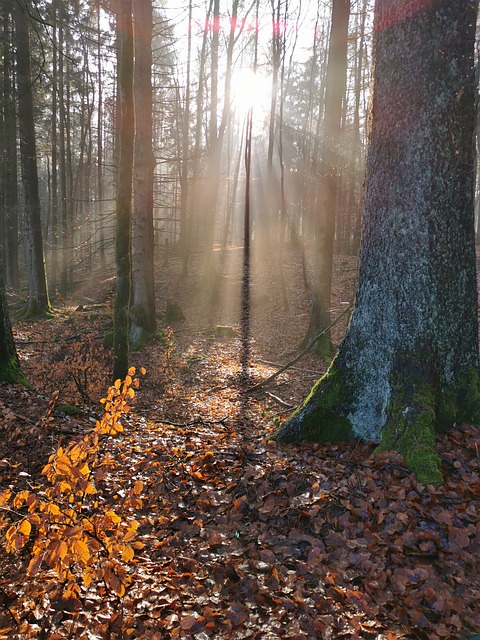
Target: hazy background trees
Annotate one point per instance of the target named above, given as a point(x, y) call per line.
point(188, 192)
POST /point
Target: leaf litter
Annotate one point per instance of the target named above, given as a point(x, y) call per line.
point(238, 537)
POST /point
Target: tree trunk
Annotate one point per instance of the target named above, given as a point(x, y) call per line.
point(325, 221)
point(54, 194)
point(10, 159)
point(185, 144)
point(142, 314)
point(10, 370)
point(100, 190)
point(38, 302)
point(124, 189)
point(409, 361)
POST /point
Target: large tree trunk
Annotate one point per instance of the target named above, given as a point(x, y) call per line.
point(142, 314)
point(38, 302)
point(409, 362)
point(124, 189)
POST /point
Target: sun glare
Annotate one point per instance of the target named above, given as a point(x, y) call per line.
point(250, 90)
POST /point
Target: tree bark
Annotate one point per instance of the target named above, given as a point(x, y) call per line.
point(336, 75)
point(38, 302)
point(10, 158)
point(10, 370)
point(124, 190)
point(142, 313)
point(409, 364)
point(54, 195)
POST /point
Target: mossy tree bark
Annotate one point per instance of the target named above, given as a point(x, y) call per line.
point(124, 190)
point(409, 364)
point(10, 370)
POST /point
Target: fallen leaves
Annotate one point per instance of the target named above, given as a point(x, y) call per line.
point(225, 534)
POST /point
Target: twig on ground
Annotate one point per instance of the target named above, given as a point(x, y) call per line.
point(276, 364)
point(280, 401)
point(300, 355)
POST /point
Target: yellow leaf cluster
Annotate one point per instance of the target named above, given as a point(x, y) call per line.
point(73, 534)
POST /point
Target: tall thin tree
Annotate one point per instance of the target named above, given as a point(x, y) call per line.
point(38, 301)
point(142, 315)
point(327, 182)
point(124, 188)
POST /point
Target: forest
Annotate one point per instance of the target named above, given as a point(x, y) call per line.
point(239, 338)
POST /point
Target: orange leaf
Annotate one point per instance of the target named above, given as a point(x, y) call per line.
point(25, 528)
point(34, 565)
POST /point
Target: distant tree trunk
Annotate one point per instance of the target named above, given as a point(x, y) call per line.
point(217, 135)
point(63, 162)
point(54, 194)
point(100, 189)
point(327, 181)
point(124, 189)
point(198, 143)
point(213, 161)
point(10, 158)
point(409, 362)
point(185, 145)
point(281, 161)
point(142, 314)
point(354, 201)
point(38, 302)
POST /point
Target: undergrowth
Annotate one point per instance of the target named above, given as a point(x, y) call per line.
point(66, 527)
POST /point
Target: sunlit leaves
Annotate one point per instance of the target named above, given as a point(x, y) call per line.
point(71, 534)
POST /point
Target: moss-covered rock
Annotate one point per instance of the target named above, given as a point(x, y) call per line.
point(68, 409)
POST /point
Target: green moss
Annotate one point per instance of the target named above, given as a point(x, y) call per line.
point(108, 340)
point(410, 430)
point(468, 397)
point(12, 372)
point(31, 311)
point(69, 409)
point(322, 417)
point(459, 402)
point(138, 316)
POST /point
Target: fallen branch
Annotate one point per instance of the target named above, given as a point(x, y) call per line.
point(276, 364)
point(280, 401)
point(300, 355)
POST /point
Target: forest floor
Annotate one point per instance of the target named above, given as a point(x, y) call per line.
point(237, 537)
